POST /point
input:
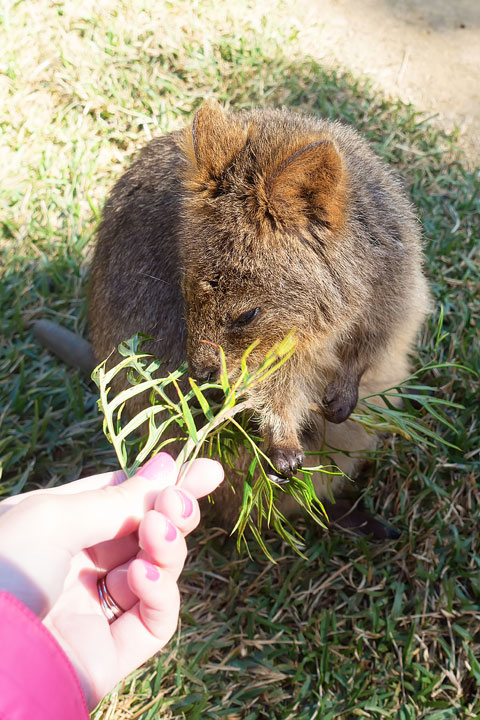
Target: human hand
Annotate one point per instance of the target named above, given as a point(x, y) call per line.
point(55, 544)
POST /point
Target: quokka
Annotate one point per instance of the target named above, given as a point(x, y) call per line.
point(246, 226)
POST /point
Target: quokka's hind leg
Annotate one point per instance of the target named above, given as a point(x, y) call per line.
point(391, 369)
point(347, 446)
point(350, 515)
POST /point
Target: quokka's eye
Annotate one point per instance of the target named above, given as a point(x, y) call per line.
point(245, 317)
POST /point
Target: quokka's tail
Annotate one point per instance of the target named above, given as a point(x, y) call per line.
point(69, 347)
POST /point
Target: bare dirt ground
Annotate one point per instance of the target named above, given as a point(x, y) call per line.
point(426, 52)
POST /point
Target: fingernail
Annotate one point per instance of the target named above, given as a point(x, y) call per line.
point(171, 532)
point(160, 464)
point(119, 477)
point(187, 504)
point(151, 572)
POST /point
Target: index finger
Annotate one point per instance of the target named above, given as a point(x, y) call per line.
point(200, 477)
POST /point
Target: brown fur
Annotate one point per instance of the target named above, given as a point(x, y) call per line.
point(266, 209)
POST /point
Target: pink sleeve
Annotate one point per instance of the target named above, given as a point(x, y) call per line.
point(36, 677)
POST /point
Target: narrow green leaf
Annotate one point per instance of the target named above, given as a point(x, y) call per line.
point(207, 411)
point(187, 415)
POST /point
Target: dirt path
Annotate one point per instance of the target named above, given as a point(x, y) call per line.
point(426, 52)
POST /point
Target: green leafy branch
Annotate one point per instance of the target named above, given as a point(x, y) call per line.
point(185, 411)
point(214, 419)
point(405, 406)
point(403, 409)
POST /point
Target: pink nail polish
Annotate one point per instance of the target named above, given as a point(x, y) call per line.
point(151, 571)
point(160, 464)
point(171, 532)
point(119, 477)
point(186, 503)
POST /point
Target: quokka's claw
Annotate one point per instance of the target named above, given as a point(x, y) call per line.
point(287, 460)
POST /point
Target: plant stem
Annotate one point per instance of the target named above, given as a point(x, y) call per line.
point(191, 448)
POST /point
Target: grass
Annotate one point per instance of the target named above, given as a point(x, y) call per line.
point(360, 630)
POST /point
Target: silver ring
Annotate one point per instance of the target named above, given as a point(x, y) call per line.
point(110, 608)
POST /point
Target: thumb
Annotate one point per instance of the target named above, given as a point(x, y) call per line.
point(39, 536)
point(87, 518)
point(114, 511)
point(83, 519)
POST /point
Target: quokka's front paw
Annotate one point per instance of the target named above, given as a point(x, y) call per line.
point(339, 401)
point(286, 459)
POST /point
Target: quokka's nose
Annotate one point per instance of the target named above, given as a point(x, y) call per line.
point(205, 374)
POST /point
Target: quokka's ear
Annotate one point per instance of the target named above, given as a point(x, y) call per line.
point(310, 184)
point(215, 140)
